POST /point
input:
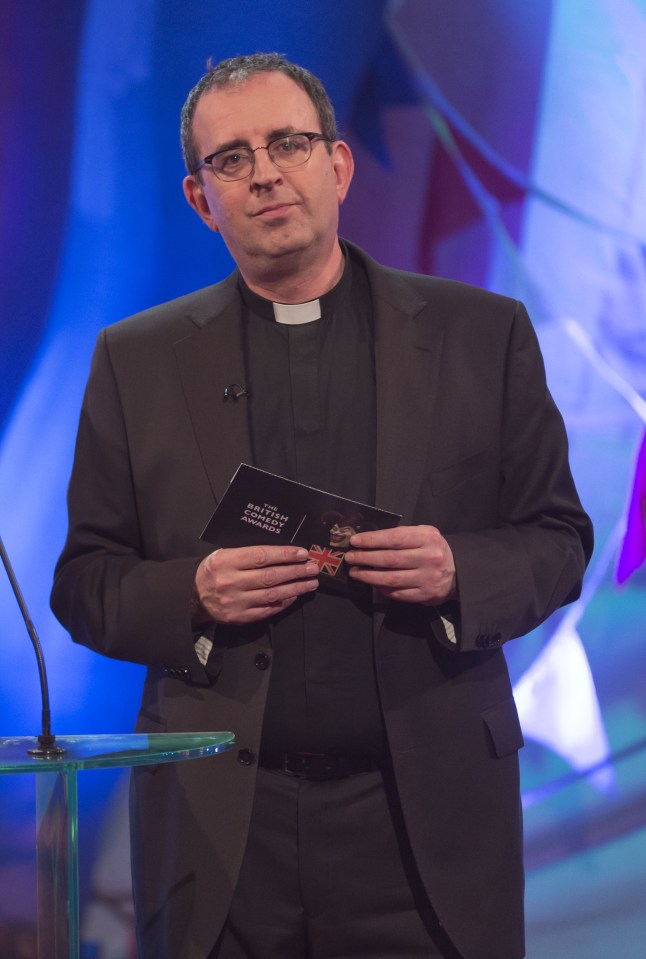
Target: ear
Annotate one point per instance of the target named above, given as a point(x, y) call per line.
point(343, 164)
point(196, 199)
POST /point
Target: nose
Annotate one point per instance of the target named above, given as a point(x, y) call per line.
point(265, 172)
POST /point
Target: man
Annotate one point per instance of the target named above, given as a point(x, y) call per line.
point(371, 804)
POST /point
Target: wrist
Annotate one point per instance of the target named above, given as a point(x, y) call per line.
point(199, 615)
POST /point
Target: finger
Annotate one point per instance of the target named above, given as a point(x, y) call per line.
point(268, 577)
point(241, 605)
point(384, 559)
point(385, 579)
point(402, 591)
point(270, 584)
point(276, 595)
point(399, 537)
point(414, 585)
point(253, 557)
point(414, 595)
point(255, 614)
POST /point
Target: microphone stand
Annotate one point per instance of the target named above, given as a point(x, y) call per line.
point(47, 748)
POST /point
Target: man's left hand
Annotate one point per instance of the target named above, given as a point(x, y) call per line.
point(413, 564)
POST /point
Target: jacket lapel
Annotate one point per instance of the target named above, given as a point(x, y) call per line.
point(408, 346)
point(210, 359)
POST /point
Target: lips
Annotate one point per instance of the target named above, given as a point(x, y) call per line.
point(274, 210)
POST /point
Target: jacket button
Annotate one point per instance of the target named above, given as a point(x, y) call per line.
point(246, 757)
point(262, 661)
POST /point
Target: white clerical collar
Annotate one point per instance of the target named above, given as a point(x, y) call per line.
point(294, 314)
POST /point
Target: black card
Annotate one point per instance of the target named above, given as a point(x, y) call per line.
point(260, 508)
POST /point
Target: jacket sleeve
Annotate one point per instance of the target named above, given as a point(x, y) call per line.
point(513, 575)
point(108, 593)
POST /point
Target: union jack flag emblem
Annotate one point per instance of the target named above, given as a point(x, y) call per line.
point(328, 560)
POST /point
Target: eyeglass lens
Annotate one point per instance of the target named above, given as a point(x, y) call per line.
point(285, 152)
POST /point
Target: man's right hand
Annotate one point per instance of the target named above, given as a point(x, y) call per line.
point(250, 583)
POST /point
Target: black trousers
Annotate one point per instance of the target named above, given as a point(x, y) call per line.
point(327, 874)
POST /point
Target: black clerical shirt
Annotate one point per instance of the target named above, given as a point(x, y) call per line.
point(312, 417)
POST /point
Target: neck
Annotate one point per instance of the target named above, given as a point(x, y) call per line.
point(287, 281)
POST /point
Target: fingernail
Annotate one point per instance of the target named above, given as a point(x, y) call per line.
point(302, 554)
point(311, 569)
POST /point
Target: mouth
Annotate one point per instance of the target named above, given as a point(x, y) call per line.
point(273, 210)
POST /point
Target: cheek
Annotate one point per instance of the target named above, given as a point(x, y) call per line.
point(225, 215)
point(327, 200)
point(220, 209)
point(223, 205)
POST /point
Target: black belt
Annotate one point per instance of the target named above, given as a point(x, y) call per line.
point(319, 766)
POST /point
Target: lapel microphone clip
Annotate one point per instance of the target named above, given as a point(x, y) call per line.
point(234, 392)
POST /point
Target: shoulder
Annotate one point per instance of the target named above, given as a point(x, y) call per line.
point(177, 317)
point(418, 292)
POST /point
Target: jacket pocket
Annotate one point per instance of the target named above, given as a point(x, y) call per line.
point(504, 728)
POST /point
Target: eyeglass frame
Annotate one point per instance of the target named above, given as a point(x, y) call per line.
point(207, 161)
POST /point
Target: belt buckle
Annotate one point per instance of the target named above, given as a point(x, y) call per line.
point(286, 765)
point(319, 768)
point(315, 767)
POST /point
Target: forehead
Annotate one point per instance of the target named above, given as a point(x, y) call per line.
point(252, 110)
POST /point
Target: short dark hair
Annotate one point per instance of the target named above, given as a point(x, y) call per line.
point(239, 69)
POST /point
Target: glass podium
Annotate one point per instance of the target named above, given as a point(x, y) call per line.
point(57, 841)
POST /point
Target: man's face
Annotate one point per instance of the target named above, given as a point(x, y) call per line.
point(273, 214)
point(341, 533)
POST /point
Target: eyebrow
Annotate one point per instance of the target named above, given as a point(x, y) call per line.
point(272, 135)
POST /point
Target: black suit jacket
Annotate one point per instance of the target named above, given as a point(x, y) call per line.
point(469, 440)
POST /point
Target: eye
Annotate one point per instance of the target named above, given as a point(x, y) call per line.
point(291, 145)
point(231, 161)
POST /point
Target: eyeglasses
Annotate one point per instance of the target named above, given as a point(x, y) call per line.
point(285, 152)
